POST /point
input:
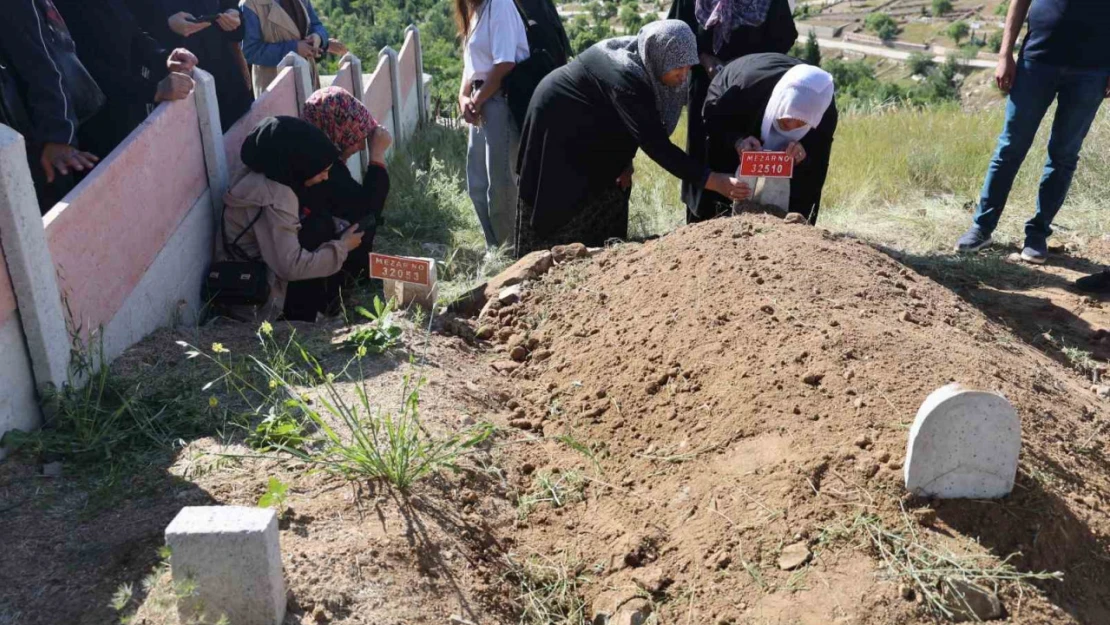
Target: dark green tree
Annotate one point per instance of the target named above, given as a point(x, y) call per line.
point(882, 25)
point(811, 53)
point(958, 30)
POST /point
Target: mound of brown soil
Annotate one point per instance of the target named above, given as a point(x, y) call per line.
point(740, 392)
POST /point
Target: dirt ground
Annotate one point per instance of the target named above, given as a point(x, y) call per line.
point(689, 409)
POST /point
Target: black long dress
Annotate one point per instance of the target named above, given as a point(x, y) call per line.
point(343, 197)
point(584, 124)
point(777, 33)
point(216, 51)
point(113, 47)
point(733, 110)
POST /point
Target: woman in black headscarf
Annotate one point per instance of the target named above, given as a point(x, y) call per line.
point(583, 127)
point(285, 156)
point(726, 30)
point(216, 45)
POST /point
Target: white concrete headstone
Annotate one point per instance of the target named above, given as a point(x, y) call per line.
point(963, 444)
point(765, 191)
point(231, 557)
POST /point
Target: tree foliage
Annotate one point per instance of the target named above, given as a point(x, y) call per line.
point(882, 25)
point(941, 7)
point(958, 30)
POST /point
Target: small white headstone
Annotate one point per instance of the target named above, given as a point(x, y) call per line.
point(231, 558)
point(963, 444)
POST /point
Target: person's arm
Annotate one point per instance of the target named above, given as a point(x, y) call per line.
point(506, 36)
point(24, 45)
point(255, 49)
point(276, 232)
point(316, 27)
point(779, 30)
point(643, 123)
point(1015, 18)
point(231, 22)
point(492, 84)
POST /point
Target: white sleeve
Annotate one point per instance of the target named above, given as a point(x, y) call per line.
point(507, 32)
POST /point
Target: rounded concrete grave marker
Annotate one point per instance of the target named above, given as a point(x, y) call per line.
point(963, 444)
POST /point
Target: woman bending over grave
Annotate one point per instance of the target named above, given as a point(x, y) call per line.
point(333, 205)
point(726, 30)
point(771, 102)
point(584, 125)
point(285, 156)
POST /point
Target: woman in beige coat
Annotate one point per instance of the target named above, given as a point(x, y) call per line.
point(262, 217)
point(274, 28)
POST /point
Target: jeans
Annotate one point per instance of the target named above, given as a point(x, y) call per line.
point(491, 150)
point(1078, 94)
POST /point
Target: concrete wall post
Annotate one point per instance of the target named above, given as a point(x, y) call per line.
point(395, 95)
point(31, 266)
point(421, 96)
point(356, 82)
point(303, 75)
point(212, 137)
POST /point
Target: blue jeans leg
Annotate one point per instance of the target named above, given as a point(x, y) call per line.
point(477, 180)
point(1032, 93)
point(1080, 95)
point(489, 172)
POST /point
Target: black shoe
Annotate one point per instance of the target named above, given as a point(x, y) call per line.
point(1095, 283)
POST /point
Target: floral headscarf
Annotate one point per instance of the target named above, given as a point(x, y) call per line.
point(724, 16)
point(341, 116)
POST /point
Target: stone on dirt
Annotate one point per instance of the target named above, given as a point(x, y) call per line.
point(530, 267)
point(564, 253)
point(628, 611)
point(970, 602)
point(794, 555)
point(510, 294)
point(963, 444)
point(795, 218)
point(232, 557)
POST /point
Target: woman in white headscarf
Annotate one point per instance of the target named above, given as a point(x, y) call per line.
point(726, 30)
point(584, 124)
point(772, 102)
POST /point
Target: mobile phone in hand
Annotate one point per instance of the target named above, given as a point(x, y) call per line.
point(203, 19)
point(362, 225)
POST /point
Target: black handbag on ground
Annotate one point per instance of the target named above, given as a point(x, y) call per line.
point(548, 50)
point(237, 282)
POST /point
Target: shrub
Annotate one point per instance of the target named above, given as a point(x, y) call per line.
point(920, 63)
point(941, 7)
point(958, 30)
point(882, 25)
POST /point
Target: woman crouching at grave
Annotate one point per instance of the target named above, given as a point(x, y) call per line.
point(261, 222)
point(771, 102)
point(333, 205)
point(584, 124)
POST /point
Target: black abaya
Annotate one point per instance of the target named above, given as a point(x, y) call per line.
point(584, 124)
point(734, 108)
point(777, 33)
point(216, 51)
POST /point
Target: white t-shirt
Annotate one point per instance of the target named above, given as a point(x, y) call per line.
point(497, 36)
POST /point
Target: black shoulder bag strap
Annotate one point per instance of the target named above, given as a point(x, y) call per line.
point(232, 249)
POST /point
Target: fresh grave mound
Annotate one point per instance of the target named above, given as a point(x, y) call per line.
point(721, 418)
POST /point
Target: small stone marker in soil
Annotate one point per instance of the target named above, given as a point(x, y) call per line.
point(970, 602)
point(793, 556)
point(963, 444)
point(231, 556)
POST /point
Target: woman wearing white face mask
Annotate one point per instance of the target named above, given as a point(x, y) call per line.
point(771, 102)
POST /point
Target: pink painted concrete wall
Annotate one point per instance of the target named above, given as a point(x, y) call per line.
point(378, 97)
point(345, 78)
point(106, 232)
point(7, 296)
point(280, 98)
point(406, 62)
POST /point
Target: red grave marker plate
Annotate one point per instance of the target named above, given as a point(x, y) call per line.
point(766, 165)
point(402, 268)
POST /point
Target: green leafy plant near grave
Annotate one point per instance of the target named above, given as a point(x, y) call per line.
point(161, 597)
point(381, 334)
point(99, 419)
point(276, 493)
point(349, 437)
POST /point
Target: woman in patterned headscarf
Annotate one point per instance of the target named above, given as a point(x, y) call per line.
point(328, 208)
point(726, 30)
point(584, 125)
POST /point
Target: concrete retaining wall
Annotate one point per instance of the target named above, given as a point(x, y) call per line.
point(127, 250)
